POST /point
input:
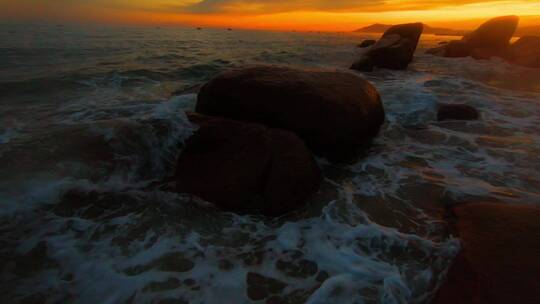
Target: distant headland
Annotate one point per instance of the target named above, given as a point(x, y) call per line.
point(381, 28)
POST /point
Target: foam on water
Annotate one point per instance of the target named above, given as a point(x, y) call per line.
point(129, 256)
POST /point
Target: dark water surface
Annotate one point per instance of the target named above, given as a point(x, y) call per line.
point(92, 117)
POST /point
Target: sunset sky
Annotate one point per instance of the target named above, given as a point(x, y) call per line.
point(325, 15)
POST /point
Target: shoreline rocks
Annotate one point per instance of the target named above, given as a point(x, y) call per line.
point(493, 34)
point(525, 52)
point(499, 261)
point(457, 112)
point(335, 113)
point(246, 167)
point(394, 50)
point(492, 39)
point(258, 127)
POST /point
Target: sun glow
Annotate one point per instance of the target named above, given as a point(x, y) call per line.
point(317, 15)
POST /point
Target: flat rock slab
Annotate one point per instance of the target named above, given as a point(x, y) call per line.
point(500, 258)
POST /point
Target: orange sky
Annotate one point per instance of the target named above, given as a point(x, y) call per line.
point(324, 15)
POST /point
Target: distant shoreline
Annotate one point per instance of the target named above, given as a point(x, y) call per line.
point(379, 28)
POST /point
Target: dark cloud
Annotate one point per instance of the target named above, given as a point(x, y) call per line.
point(274, 6)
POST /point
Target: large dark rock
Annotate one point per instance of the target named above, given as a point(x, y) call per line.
point(490, 39)
point(495, 33)
point(457, 112)
point(499, 261)
point(394, 50)
point(525, 52)
point(335, 113)
point(246, 167)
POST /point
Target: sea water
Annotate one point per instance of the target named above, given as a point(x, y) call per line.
point(92, 119)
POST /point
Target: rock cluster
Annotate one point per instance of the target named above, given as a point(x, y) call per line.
point(492, 39)
point(335, 113)
point(257, 128)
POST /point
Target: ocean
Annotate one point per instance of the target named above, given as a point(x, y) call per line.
point(92, 119)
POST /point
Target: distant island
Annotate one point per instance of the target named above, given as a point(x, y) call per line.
point(381, 28)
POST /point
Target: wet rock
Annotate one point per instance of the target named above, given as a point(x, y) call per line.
point(169, 284)
point(336, 113)
point(292, 264)
point(394, 50)
point(246, 167)
point(495, 33)
point(294, 297)
point(365, 64)
point(174, 263)
point(499, 259)
point(74, 200)
point(34, 261)
point(367, 43)
point(260, 287)
point(297, 268)
point(454, 48)
point(525, 52)
point(252, 258)
point(457, 112)
point(490, 39)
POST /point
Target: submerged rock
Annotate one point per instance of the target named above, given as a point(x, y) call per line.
point(367, 43)
point(499, 259)
point(260, 287)
point(457, 112)
point(455, 48)
point(394, 50)
point(246, 167)
point(525, 52)
point(335, 113)
point(490, 39)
